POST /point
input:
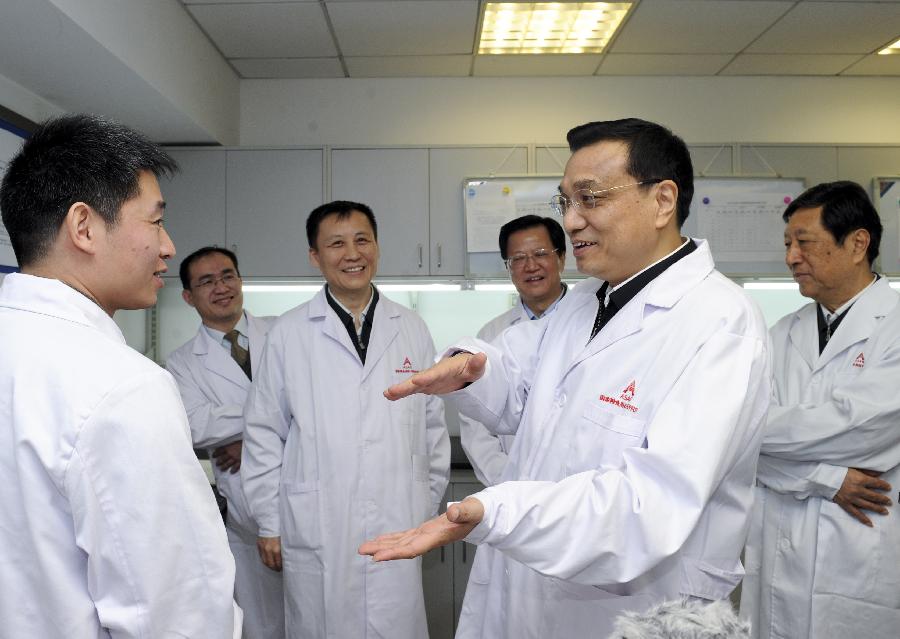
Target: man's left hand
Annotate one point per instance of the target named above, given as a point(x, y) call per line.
point(863, 490)
point(229, 456)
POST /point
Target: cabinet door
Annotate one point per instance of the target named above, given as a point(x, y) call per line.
point(437, 586)
point(270, 194)
point(195, 202)
point(447, 170)
point(394, 183)
point(463, 552)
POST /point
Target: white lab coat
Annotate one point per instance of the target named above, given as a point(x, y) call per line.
point(486, 451)
point(109, 527)
point(328, 463)
point(635, 456)
point(813, 571)
point(214, 390)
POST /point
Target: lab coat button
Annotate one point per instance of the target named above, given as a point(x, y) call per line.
point(561, 400)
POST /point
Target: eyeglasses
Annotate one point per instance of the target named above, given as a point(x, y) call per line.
point(539, 255)
point(208, 283)
point(588, 198)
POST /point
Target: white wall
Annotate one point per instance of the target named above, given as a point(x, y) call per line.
point(411, 111)
point(29, 105)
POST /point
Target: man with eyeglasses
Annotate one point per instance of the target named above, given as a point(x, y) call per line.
point(534, 251)
point(637, 408)
point(213, 371)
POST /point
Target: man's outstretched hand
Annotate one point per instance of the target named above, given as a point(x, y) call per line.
point(448, 375)
point(455, 524)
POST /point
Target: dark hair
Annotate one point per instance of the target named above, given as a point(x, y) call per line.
point(184, 271)
point(69, 159)
point(341, 208)
point(846, 207)
point(654, 153)
point(554, 230)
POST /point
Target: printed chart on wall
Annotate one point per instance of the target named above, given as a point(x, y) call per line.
point(9, 145)
point(887, 199)
point(741, 218)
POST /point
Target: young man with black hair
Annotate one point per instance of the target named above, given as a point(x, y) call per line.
point(110, 527)
point(327, 459)
point(213, 370)
point(534, 251)
point(819, 564)
point(637, 407)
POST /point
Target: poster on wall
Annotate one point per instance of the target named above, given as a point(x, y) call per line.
point(887, 190)
point(10, 141)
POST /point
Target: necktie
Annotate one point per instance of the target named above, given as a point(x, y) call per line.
point(238, 353)
point(599, 321)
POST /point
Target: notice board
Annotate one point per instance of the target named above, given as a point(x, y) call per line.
point(886, 196)
point(740, 216)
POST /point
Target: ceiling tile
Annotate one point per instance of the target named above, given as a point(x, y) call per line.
point(663, 64)
point(404, 27)
point(244, 1)
point(288, 67)
point(797, 64)
point(832, 27)
point(696, 26)
point(418, 66)
point(535, 65)
point(273, 30)
point(876, 65)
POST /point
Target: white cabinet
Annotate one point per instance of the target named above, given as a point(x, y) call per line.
point(270, 194)
point(394, 184)
point(195, 202)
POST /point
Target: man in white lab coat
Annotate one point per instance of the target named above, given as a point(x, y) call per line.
point(638, 405)
point(534, 251)
point(327, 460)
point(213, 370)
point(820, 564)
point(109, 525)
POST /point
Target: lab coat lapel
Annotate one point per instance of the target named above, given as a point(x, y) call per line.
point(257, 337)
point(332, 327)
point(385, 327)
point(861, 320)
point(217, 360)
point(804, 335)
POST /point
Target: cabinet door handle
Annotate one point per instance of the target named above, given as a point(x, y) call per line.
point(439, 256)
point(464, 544)
point(420, 256)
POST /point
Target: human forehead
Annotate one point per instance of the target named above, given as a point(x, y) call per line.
point(806, 221)
point(335, 226)
point(533, 237)
point(149, 195)
point(602, 164)
point(210, 264)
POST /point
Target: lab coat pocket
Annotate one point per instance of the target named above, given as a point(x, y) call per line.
point(301, 538)
point(578, 610)
point(849, 555)
point(704, 580)
point(602, 437)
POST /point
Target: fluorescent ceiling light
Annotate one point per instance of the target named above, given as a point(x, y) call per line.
point(430, 288)
point(893, 49)
point(281, 288)
point(496, 287)
point(549, 27)
point(772, 286)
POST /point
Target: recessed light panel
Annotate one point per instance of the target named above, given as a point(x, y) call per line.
point(893, 49)
point(549, 27)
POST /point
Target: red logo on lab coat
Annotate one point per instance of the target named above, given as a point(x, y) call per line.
point(628, 394)
point(406, 367)
point(860, 361)
point(624, 400)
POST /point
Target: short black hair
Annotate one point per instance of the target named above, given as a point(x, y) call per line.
point(341, 208)
point(184, 270)
point(846, 207)
point(69, 159)
point(554, 230)
point(654, 153)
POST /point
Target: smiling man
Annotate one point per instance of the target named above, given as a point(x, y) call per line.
point(534, 251)
point(213, 371)
point(637, 408)
point(109, 526)
point(832, 439)
point(327, 459)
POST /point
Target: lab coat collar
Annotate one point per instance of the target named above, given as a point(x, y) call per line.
point(218, 360)
point(663, 292)
point(859, 324)
point(383, 330)
point(48, 296)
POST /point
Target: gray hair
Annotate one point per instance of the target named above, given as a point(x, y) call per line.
point(685, 619)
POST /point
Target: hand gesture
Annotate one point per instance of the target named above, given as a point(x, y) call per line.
point(448, 375)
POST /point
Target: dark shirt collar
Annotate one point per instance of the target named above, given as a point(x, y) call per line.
point(624, 293)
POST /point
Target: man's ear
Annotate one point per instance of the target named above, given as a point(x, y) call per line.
point(666, 203)
point(858, 242)
point(314, 258)
point(187, 297)
point(82, 227)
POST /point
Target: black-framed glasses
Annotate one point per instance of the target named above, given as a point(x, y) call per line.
point(538, 255)
point(589, 198)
